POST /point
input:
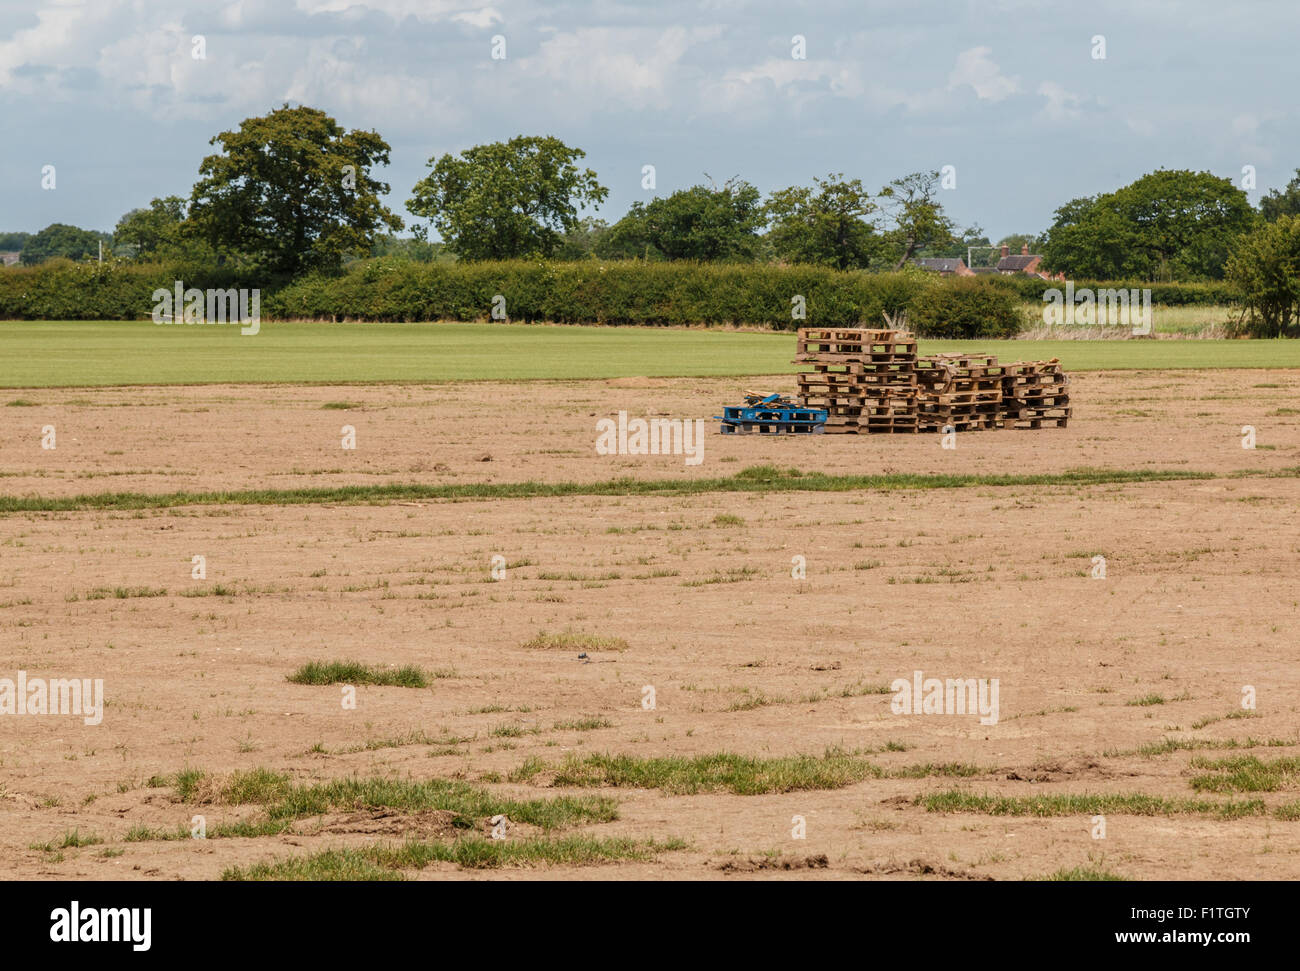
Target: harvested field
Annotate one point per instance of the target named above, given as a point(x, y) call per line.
point(1118, 696)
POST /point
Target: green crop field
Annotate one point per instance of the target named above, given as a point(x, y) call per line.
point(86, 353)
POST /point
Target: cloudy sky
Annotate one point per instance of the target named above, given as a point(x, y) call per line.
point(1009, 92)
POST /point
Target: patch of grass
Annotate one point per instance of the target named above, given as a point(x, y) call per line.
point(930, 769)
point(216, 590)
point(186, 783)
point(752, 702)
point(570, 640)
point(354, 672)
point(1132, 804)
point(1146, 700)
point(124, 593)
point(470, 802)
point(244, 828)
point(1083, 873)
point(20, 403)
point(722, 772)
point(530, 768)
point(285, 801)
point(583, 725)
point(415, 737)
point(1246, 773)
point(386, 862)
point(1288, 812)
point(727, 519)
point(238, 788)
point(254, 786)
point(70, 840)
point(339, 405)
point(1167, 745)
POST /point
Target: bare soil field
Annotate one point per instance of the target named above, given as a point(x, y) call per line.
point(171, 439)
point(1120, 697)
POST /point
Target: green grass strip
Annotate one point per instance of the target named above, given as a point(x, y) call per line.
point(763, 479)
point(284, 800)
point(385, 862)
point(1133, 804)
point(721, 772)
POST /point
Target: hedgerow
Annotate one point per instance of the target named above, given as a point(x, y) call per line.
point(582, 292)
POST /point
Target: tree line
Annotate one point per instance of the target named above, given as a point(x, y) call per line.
point(293, 191)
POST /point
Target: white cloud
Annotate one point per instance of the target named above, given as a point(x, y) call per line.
point(482, 19)
point(601, 67)
point(976, 69)
point(62, 36)
point(1061, 105)
point(428, 10)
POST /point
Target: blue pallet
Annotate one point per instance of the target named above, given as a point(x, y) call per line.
point(769, 418)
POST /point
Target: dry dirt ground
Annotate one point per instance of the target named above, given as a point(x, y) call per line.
point(1200, 599)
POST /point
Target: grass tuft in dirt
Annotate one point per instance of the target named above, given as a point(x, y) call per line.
point(354, 672)
point(386, 862)
point(70, 840)
point(573, 641)
point(1083, 873)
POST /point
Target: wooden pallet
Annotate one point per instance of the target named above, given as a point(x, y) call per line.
point(968, 424)
point(1027, 423)
point(859, 334)
point(770, 428)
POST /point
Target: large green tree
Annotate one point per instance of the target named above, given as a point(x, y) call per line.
point(970, 243)
point(830, 223)
point(1170, 224)
point(154, 232)
point(1264, 269)
point(62, 240)
point(580, 243)
point(916, 218)
point(292, 191)
point(1282, 203)
point(705, 223)
point(506, 200)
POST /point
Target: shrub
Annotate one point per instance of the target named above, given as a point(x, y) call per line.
point(966, 308)
point(1264, 271)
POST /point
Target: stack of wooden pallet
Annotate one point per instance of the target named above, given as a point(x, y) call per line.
point(865, 379)
point(1034, 394)
point(959, 391)
point(872, 381)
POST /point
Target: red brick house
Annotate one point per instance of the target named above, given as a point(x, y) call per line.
point(1026, 262)
point(945, 266)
